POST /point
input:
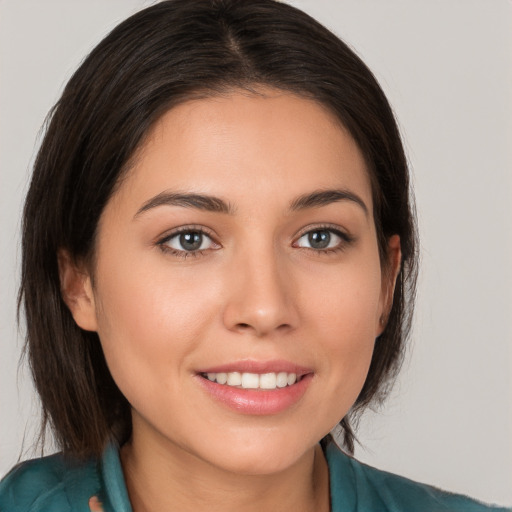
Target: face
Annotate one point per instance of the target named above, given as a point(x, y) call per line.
point(238, 289)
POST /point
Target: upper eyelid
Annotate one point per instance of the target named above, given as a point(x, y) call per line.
point(163, 242)
point(338, 230)
point(186, 229)
point(344, 233)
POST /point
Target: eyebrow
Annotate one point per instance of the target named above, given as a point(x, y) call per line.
point(320, 198)
point(209, 203)
point(187, 200)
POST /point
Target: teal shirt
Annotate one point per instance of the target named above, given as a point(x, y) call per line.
point(56, 484)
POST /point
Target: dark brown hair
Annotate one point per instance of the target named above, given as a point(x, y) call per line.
point(157, 58)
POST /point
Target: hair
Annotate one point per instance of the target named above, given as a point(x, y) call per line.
point(161, 56)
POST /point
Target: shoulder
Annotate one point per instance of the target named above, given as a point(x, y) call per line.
point(53, 483)
point(371, 489)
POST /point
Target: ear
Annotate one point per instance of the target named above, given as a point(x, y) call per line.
point(76, 290)
point(391, 268)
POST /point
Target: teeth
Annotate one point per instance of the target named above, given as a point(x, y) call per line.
point(234, 379)
point(282, 379)
point(250, 381)
point(268, 381)
point(254, 380)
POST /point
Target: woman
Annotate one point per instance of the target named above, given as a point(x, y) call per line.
point(219, 264)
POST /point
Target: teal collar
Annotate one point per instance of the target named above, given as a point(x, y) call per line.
point(116, 496)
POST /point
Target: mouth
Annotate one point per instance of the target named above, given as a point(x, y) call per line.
point(247, 380)
point(256, 388)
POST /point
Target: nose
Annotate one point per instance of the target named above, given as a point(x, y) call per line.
point(260, 295)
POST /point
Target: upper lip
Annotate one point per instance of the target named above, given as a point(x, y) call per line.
point(260, 367)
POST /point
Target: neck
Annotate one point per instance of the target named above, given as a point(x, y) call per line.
point(167, 480)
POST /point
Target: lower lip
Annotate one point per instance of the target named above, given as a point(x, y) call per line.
point(257, 401)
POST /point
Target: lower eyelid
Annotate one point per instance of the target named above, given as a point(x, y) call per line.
point(344, 240)
point(344, 237)
point(182, 254)
point(176, 235)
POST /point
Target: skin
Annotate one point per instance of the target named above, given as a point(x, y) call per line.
point(257, 291)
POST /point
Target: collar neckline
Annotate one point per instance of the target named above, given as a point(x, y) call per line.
point(342, 481)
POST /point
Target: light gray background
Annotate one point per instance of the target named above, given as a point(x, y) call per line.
point(447, 69)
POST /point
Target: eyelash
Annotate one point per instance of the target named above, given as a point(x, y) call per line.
point(345, 238)
point(162, 243)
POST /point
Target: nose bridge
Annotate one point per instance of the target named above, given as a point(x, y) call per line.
point(260, 298)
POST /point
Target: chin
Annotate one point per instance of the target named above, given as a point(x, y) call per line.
point(258, 454)
point(258, 464)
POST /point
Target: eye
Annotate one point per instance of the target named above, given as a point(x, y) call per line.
point(321, 239)
point(191, 240)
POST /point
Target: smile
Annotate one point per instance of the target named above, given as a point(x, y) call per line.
point(246, 380)
point(256, 388)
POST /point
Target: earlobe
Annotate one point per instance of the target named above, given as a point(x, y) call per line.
point(389, 277)
point(76, 290)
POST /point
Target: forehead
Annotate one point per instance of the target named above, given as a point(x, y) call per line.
point(243, 145)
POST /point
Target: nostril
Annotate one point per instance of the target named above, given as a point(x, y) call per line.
point(242, 326)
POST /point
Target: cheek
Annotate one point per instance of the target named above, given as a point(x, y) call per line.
point(344, 317)
point(346, 302)
point(150, 321)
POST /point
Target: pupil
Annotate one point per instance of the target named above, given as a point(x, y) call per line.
point(191, 241)
point(319, 239)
